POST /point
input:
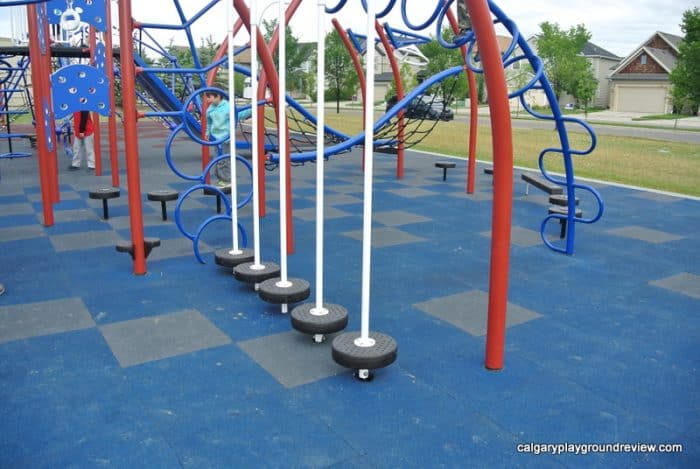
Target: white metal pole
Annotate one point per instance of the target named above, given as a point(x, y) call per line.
point(320, 147)
point(365, 340)
point(232, 130)
point(254, 123)
point(282, 140)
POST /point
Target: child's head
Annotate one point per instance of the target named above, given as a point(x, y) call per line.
point(214, 97)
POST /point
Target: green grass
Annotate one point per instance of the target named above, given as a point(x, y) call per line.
point(653, 164)
point(668, 117)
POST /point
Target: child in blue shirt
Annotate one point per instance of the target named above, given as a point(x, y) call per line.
point(218, 127)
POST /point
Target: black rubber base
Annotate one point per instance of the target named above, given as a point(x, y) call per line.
point(299, 290)
point(245, 272)
point(163, 196)
point(224, 258)
point(349, 355)
point(148, 245)
point(104, 193)
point(335, 320)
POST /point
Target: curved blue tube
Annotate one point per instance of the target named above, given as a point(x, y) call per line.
point(205, 223)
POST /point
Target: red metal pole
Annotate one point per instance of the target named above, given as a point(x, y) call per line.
point(399, 96)
point(52, 162)
point(126, 27)
point(502, 139)
point(358, 69)
point(473, 111)
point(35, 57)
point(95, 116)
point(112, 121)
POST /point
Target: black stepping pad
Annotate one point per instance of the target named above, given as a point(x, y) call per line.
point(224, 258)
point(303, 319)
point(163, 196)
point(148, 245)
point(559, 210)
point(348, 354)
point(103, 194)
point(247, 272)
point(297, 291)
point(561, 200)
point(445, 165)
point(210, 191)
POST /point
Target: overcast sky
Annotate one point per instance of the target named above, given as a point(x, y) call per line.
point(616, 25)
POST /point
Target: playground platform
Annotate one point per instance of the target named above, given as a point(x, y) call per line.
point(186, 367)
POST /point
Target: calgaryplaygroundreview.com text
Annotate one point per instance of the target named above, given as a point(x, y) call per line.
point(587, 448)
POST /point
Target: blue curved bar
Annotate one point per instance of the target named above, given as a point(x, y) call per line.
point(384, 12)
point(205, 223)
point(421, 26)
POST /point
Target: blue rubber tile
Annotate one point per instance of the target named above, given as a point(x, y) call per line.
point(142, 340)
point(15, 221)
point(72, 405)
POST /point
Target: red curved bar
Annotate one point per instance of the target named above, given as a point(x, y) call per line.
point(502, 139)
point(399, 96)
point(112, 122)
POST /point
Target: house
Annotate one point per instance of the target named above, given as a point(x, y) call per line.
point(600, 60)
point(641, 82)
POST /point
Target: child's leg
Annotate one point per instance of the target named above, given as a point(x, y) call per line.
point(77, 144)
point(89, 151)
point(463, 19)
point(222, 169)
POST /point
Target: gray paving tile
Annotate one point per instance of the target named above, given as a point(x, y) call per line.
point(329, 213)
point(656, 197)
point(383, 237)
point(398, 217)
point(86, 240)
point(476, 196)
point(177, 247)
point(345, 188)
point(412, 192)
point(293, 359)
point(521, 237)
point(644, 234)
point(27, 320)
point(22, 232)
point(154, 338)
point(65, 195)
point(341, 199)
point(468, 311)
point(61, 216)
point(16, 209)
point(684, 283)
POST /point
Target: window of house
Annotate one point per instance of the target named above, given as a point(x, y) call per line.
point(643, 59)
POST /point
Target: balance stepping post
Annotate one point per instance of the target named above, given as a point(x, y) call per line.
point(148, 245)
point(444, 165)
point(210, 191)
point(163, 196)
point(104, 194)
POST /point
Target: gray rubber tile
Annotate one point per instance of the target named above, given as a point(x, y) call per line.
point(468, 311)
point(644, 234)
point(476, 196)
point(398, 217)
point(292, 358)
point(177, 247)
point(27, 320)
point(329, 213)
point(22, 232)
point(16, 209)
point(86, 240)
point(61, 216)
point(341, 199)
point(412, 192)
point(684, 283)
point(154, 338)
point(383, 237)
point(521, 237)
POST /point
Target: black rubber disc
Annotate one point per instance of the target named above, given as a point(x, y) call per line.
point(104, 193)
point(349, 355)
point(223, 257)
point(299, 290)
point(335, 320)
point(246, 273)
point(163, 195)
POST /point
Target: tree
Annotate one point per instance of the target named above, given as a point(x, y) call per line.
point(297, 56)
point(441, 59)
point(686, 76)
point(341, 77)
point(585, 86)
point(561, 53)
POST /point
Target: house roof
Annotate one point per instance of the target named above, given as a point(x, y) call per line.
point(664, 58)
point(592, 50)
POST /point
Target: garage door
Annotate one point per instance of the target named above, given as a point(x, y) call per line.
point(641, 99)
